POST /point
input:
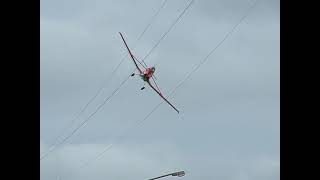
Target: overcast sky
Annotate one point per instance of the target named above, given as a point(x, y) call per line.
point(228, 128)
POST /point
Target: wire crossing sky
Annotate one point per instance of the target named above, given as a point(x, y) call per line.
point(230, 124)
point(88, 118)
point(52, 148)
point(172, 25)
point(173, 91)
point(55, 142)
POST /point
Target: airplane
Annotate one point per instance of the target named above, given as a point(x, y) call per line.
point(146, 74)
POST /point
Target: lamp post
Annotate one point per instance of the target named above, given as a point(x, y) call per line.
point(178, 174)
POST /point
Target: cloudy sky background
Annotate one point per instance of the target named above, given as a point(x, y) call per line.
point(229, 126)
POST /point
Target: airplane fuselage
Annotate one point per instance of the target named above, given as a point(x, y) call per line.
point(147, 73)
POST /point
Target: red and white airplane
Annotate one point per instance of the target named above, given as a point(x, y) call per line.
point(146, 74)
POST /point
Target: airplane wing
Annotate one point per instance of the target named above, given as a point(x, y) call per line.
point(132, 57)
point(160, 94)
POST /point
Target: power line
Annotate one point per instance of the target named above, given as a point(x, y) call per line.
point(216, 47)
point(138, 123)
point(172, 25)
point(203, 60)
point(108, 80)
point(88, 118)
point(152, 19)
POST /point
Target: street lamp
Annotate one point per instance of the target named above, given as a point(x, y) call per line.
point(179, 174)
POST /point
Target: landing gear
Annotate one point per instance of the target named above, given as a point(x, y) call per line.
point(132, 74)
point(143, 87)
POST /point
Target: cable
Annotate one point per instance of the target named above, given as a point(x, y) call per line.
point(146, 28)
point(152, 19)
point(172, 25)
point(179, 85)
point(216, 47)
point(108, 80)
point(205, 59)
point(88, 118)
point(84, 108)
